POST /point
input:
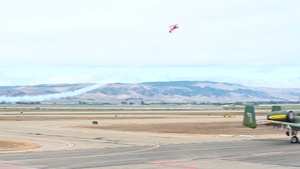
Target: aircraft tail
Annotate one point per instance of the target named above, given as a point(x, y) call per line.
point(249, 117)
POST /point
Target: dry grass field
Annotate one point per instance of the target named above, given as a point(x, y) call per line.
point(12, 145)
point(206, 128)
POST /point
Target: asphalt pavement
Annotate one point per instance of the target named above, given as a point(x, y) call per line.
point(263, 153)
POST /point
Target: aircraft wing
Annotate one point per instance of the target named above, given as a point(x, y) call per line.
point(279, 124)
point(175, 25)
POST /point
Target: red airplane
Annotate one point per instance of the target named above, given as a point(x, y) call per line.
point(173, 27)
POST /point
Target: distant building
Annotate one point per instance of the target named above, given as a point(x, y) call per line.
point(133, 101)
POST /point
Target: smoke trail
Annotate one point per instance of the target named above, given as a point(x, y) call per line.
point(34, 98)
point(9, 99)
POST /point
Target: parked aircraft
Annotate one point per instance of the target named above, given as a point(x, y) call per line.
point(288, 119)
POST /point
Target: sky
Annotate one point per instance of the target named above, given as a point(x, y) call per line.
point(249, 42)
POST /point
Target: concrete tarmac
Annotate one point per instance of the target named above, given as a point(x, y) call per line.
point(65, 147)
point(269, 153)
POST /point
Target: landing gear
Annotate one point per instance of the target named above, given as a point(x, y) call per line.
point(294, 138)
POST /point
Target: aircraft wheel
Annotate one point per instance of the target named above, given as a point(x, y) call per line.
point(294, 139)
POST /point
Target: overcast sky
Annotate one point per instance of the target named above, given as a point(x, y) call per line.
point(250, 42)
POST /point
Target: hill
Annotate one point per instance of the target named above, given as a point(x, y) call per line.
point(172, 91)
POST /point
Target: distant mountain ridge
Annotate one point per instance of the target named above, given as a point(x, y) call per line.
point(171, 91)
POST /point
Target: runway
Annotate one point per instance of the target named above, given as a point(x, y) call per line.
point(65, 144)
point(263, 153)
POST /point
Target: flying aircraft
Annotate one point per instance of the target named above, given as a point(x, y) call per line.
point(279, 118)
point(173, 27)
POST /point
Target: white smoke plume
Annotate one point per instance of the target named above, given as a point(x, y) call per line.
point(39, 98)
point(9, 99)
point(116, 77)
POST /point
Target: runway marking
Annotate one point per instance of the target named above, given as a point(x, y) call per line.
point(7, 166)
point(167, 164)
point(250, 136)
point(268, 154)
point(121, 153)
point(98, 155)
point(60, 142)
point(202, 149)
point(174, 166)
point(68, 144)
point(225, 135)
point(162, 163)
point(249, 156)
